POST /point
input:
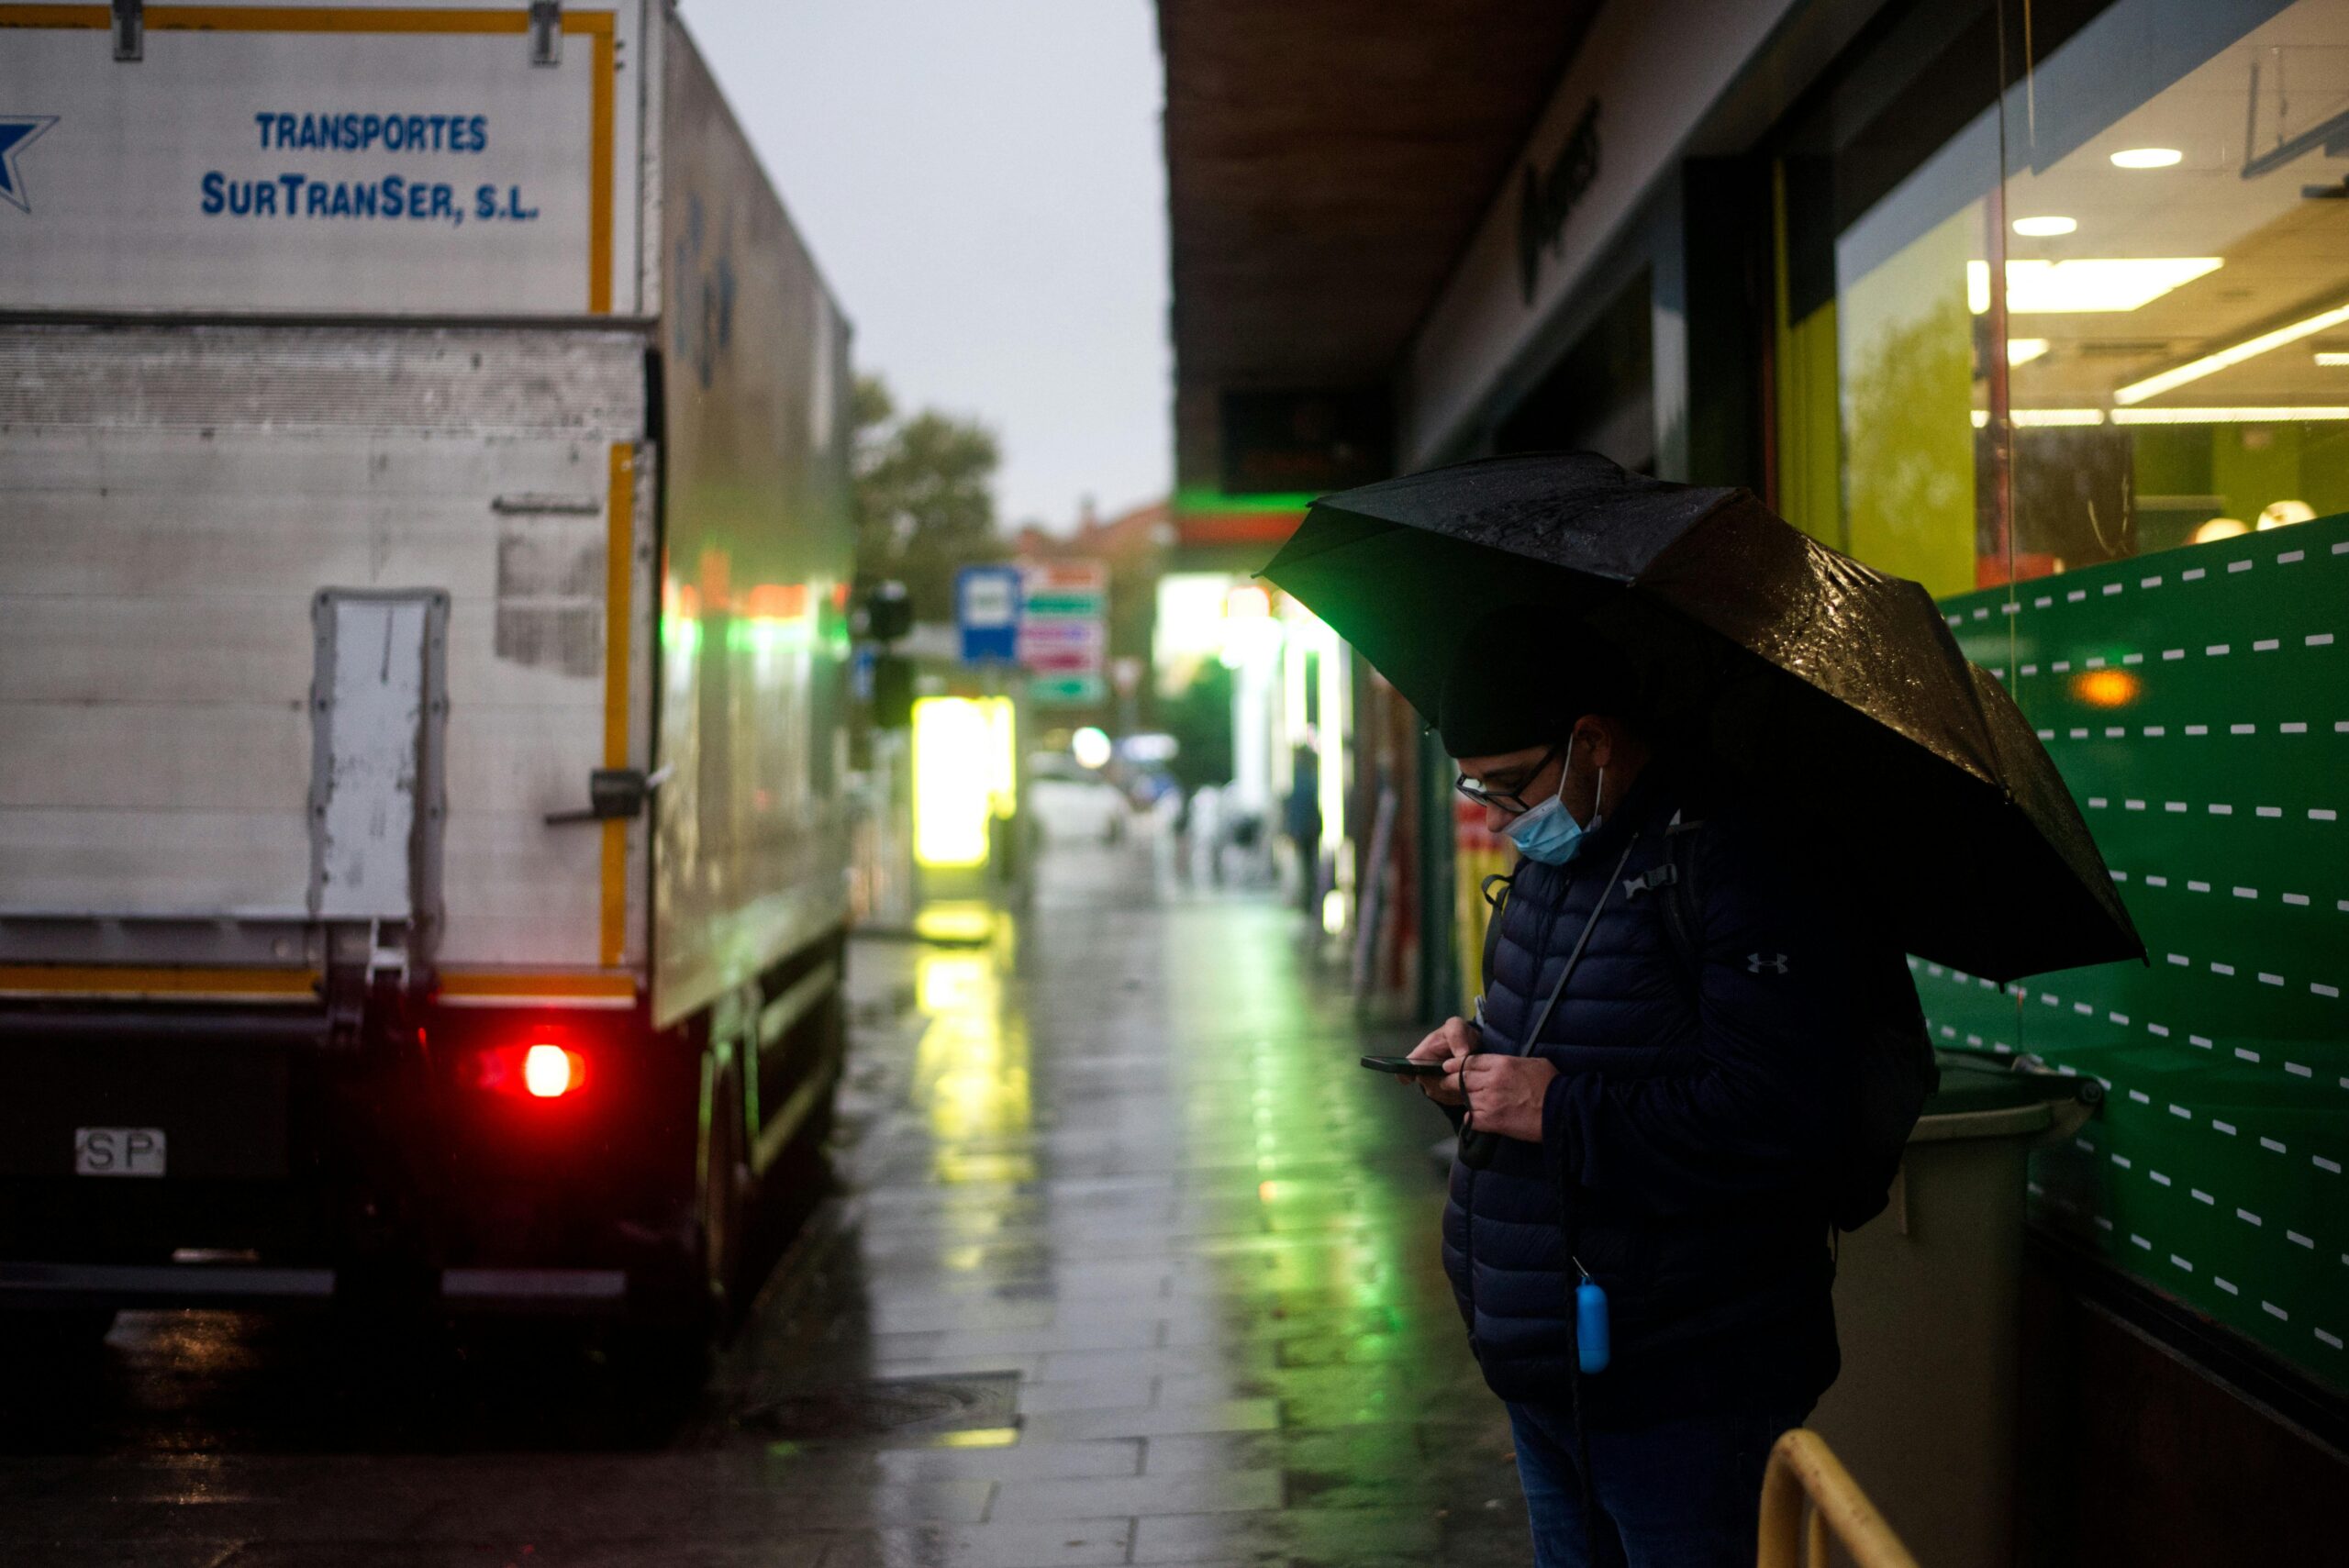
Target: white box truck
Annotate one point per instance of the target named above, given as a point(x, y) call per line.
point(424, 560)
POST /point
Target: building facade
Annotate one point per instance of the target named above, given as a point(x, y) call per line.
point(2042, 303)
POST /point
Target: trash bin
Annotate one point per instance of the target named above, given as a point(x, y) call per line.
point(1928, 1306)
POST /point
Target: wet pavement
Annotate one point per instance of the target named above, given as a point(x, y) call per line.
point(1129, 1264)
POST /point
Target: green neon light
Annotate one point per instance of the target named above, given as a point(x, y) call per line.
point(1205, 498)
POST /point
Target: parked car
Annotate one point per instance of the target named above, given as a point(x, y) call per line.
point(1074, 805)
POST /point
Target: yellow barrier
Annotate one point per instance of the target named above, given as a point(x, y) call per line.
point(1805, 1471)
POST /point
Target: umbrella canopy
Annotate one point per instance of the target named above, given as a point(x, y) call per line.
point(1833, 689)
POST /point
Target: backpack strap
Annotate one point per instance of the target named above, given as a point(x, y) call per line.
point(1679, 898)
point(1494, 904)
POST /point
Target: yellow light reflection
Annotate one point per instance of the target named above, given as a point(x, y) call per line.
point(2106, 688)
point(979, 1437)
point(971, 1070)
point(952, 920)
point(962, 770)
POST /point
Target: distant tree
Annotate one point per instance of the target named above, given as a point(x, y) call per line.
point(925, 497)
point(1200, 720)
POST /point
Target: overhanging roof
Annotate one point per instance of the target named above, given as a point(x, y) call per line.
point(1326, 162)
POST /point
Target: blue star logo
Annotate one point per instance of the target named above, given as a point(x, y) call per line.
point(17, 133)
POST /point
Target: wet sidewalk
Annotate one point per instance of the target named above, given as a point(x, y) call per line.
point(1124, 1204)
point(1130, 1264)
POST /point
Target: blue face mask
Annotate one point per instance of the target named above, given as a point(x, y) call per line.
point(1549, 833)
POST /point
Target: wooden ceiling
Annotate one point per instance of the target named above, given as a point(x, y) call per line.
point(1327, 160)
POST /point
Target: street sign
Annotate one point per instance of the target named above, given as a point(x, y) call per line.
point(1063, 602)
point(1063, 634)
point(986, 613)
point(1066, 691)
point(1061, 576)
point(1087, 661)
point(1064, 629)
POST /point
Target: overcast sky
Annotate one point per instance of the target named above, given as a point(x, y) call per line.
point(982, 184)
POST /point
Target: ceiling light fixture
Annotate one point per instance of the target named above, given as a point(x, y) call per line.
point(2022, 350)
point(2234, 355)
point(2147, 158)
point(2086, 283)
point(2044, 418)
point(2045, 227)
point(2268, 416)
point(2334, 358)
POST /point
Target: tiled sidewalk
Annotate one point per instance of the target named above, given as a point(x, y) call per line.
point(1131, 1263)
point(1126, 1153)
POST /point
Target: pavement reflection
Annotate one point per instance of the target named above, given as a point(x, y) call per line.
point(1129, 1264)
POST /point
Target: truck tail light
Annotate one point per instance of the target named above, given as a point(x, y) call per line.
point(550, 1072)
point(537, 1070)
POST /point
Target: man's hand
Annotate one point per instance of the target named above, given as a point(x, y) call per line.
point(1505, 1094)
point(1450, 1045)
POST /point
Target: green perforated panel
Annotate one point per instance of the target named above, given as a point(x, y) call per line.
point(2198, 703)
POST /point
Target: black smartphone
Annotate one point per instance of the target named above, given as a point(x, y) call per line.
point(1404, 1066)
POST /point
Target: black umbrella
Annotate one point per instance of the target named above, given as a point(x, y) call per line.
point(1833, 688)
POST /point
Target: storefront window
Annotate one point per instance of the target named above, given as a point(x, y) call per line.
point(2095, 317)
point(2101, 314)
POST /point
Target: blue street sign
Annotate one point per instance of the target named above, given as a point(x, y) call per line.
point(986, 612)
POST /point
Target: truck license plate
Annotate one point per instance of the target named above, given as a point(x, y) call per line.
point(118, 1150)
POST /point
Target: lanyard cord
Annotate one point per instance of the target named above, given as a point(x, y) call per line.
point(1570, 1231)
point(1533, 1035)
point(1476, 1147)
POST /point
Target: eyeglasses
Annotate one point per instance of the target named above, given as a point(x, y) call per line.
point(1511, 800)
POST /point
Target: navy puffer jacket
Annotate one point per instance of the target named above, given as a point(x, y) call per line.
point(1686, 1140)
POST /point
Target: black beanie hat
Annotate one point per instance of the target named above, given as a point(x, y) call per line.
point(1522, 679)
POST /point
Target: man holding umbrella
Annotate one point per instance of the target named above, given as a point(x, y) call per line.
point(1745, 775)
point(1664, 1135)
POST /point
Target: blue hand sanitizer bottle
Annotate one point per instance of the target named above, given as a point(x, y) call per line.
point(1592, 1348)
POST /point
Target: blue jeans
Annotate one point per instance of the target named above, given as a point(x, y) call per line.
point(1683, 1493)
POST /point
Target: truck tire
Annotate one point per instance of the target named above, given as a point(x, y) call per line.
point(724, 1204)
point(36, 1340)
point(673, 1349)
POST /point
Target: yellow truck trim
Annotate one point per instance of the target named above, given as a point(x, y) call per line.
point(104, 980)
point(619, 570)
point(461, 988)
point(491, 987)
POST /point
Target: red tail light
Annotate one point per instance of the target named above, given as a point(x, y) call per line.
point(537, 1070)
point(549, 1071)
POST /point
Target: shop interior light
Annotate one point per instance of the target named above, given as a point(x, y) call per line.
point(2332, 358)
point(2105, 688)
point(2147, 158)
point(2264, 416)
point(2086, 283)
point(2044, 418)
point(2233, 355)
point(2022, 350)
point(963, 768)
point(1252, 633)
point(2045, 227)
point(1190, 616)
